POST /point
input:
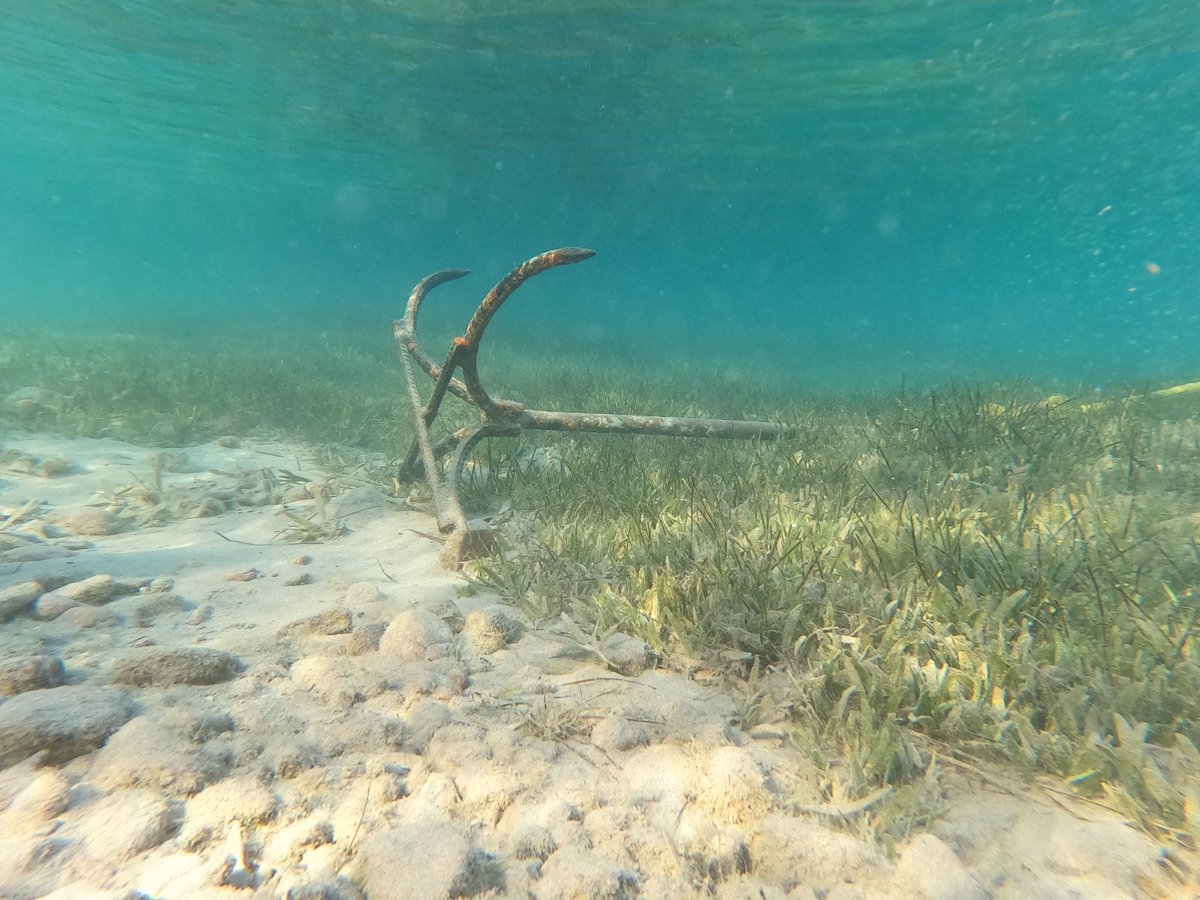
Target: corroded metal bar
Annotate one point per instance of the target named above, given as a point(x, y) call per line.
point(407, 332)
point(404, 331)
point(421, 443)
point(674, 426)
point(505, 418)
point(467, 438)
point(564, 256)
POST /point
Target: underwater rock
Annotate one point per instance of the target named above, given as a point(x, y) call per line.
point(419, 862)
point(89, 520)
point(144, 754)
point(733, 787)
point(242, 799)
point(290, 842)
point(415, 636)
point(18, 598)
point(16, 777)
point(208, 507)
point(424, 720)
point(929, 869)
point(443, 679)
point(361, 592)
point(617, 733)
point(717, 850)
point(30, 673)
point(365, 638)
point(27, 464)
point(204, 726)
point(788, 850)
point(55, 467)
point(579, 873)
point(534, 841)
point(35, 552)
point(18, 462)
point(336, 681)
point(64, 721)
point(18, 545)
point(96, 590)
point(27, 403)
point(331, 621)
point(44, 797)
point(323, 890)
point(201, 614)
point(51, 605)
point(627, 655)
point(167, 666)
point(155, 604)
point(488, 630)
point(117, 827)
point(87, 616)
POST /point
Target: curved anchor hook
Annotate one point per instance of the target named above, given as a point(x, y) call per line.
point(505, 418)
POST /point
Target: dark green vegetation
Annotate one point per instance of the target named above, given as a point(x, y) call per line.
point(959, 574)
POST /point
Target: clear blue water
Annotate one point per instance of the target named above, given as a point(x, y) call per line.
point(866, 191)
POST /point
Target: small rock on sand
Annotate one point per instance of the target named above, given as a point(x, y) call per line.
point(929, 869)
point(365, 638)
point(64, 721)
point(155, 604)
point(55, 467)
point(87, 616)
point(416, 636)
point(627, 655)
point(336, 680)
point(241, 799)
point(618, 733)
point(90, 520)
point(416, 863)
point(786, 849)
point(145, 754)
point(43, 798)
point(424, 720)
point(734, 787)
point(18, 598)
point(30, 673)
point(51, 605)
point(534, 841)
point(201, 614)
point(166, 666)
point(362, 592)
point(331, 621)
point(123, 824)
point(576, 872)
point(488, 630)
point(95, 590)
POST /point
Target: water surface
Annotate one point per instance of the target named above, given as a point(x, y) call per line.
point(867, 191)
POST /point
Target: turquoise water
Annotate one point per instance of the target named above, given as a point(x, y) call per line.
point(867, 191)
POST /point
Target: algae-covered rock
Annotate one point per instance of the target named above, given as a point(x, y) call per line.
point(63, 721)
point(18, 598)
point(30, 673)
point(167, 666)
point(416, 636)
point(489, 630)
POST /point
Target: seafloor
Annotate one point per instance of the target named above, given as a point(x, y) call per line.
point(195, 706)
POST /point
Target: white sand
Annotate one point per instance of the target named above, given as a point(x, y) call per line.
point(466, 753)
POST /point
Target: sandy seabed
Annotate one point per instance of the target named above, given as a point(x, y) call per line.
point(193, 707)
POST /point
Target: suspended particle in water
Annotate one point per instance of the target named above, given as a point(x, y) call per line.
point(1153, 268)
